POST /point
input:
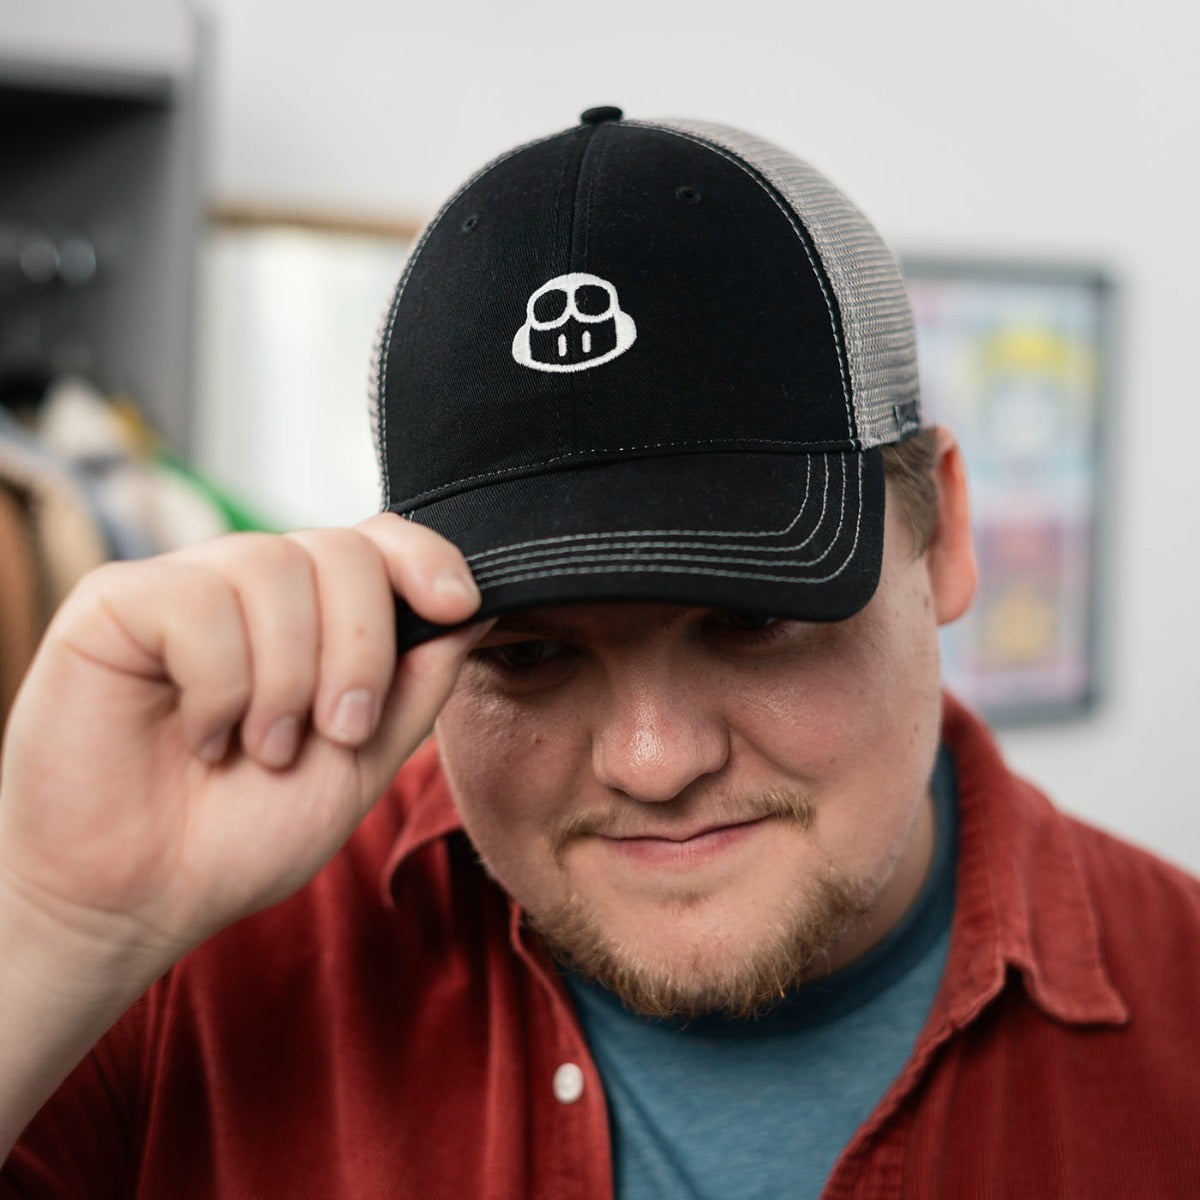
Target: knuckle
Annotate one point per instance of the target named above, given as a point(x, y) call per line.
point(98, 585)
point(221, 701)
point(288, 688)
point(407, 538)
point(275, 554)
point(336, 548)
point(218, 683)
point(247, 555)
point(207, 596)
point(231, 690)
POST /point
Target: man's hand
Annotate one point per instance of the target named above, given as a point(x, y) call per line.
point(198, 734)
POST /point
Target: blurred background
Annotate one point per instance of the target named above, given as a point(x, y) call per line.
point(203, 208)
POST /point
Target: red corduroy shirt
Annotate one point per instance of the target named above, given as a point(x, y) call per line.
point(392, 1031)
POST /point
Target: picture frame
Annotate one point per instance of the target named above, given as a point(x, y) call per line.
point(1017, 359)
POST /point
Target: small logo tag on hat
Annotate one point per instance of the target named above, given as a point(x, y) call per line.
point(573, 322)
point(908, 418)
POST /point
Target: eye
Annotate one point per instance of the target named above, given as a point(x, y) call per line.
point(551, 305)
point(591, 300)
point(742, 629)
point(521, 656)
point(742, 621)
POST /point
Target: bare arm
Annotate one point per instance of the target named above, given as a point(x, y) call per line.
point(198, 734)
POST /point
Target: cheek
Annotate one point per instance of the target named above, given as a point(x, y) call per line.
point(508, 776)
point(855, 721)
point(816, 710)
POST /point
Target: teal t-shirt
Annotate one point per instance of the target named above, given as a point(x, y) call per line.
point(721, 1109)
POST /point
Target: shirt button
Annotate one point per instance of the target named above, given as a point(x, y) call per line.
point(568, 1083)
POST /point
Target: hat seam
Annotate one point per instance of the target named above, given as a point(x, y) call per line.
point(794, 221)
point(390, 324)
point(443, 490)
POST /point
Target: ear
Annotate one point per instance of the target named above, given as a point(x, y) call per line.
point(950, 556)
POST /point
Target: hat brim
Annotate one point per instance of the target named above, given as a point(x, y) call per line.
point(796, 536)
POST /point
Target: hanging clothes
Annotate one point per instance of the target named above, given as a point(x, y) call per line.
point(84, 480)
point(22, 605)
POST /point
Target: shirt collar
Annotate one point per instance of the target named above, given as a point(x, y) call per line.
point(1022, 901)
point(1021, 898)
point(426, 810)
point(427, 815)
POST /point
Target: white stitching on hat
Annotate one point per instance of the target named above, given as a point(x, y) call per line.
point(496, 574)
point(792, 220)
point(667, 568)
point(675, 533)
point(496, 578)
point(621, 535)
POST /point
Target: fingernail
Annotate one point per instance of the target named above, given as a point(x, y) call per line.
point(354, 716)
point(451, 581)
point(214, 749)
point(279, 746)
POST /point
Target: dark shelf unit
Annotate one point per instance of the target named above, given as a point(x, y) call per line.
point(100, 202)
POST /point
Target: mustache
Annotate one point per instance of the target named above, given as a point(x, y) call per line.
point(638, 820)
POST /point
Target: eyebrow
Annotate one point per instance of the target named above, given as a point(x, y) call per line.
point(533, 624)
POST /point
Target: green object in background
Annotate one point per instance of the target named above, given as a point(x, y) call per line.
point(238, 517)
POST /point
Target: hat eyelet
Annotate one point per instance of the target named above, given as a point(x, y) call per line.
point(469, 224)
point(687, 195)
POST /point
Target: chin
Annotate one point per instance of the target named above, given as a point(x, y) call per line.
point(695, 958)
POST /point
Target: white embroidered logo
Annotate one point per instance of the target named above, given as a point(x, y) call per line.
point(573, 322)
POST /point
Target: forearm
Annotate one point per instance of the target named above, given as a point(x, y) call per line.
point(59, 993)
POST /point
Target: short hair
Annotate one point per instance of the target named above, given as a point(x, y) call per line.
point(908, 469)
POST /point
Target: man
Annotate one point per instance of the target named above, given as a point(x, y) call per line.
point(702, 889)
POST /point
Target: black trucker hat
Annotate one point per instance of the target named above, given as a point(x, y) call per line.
point(648, 360)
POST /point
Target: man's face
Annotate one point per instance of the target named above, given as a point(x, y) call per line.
point(700, 808)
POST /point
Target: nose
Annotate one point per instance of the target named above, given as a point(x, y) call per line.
point(656, 738)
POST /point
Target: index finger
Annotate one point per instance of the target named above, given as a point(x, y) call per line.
point(427, 572)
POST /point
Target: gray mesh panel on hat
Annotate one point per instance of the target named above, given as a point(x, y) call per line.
point(876, 319)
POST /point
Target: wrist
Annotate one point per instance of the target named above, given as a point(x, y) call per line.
point(61, 989)
point(70, 957)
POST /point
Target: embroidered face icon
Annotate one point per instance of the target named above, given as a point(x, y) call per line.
point(573, 322)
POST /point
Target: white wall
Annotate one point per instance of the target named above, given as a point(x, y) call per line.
point(1033, 127)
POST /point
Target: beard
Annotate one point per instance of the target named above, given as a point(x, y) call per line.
point(739, 983)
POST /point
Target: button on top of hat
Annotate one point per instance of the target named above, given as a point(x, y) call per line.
point(595, 116)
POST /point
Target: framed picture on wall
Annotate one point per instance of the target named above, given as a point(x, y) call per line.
point(1017, 360)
